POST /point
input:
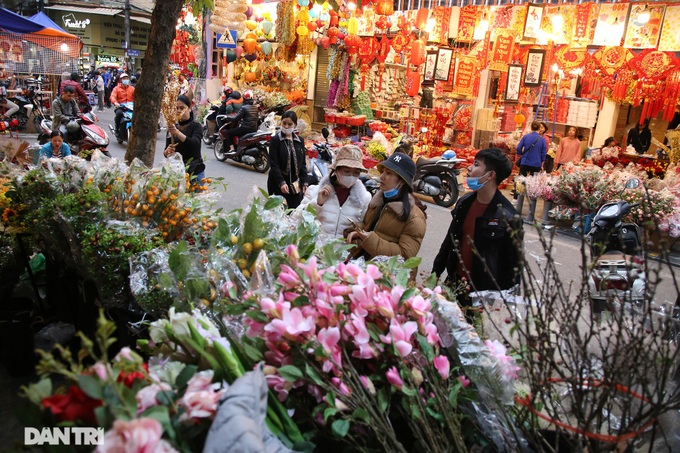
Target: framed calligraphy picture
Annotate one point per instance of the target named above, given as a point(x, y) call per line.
point(443, 66)
point(514, 83)
point(532, 26)
point(430, 67)
point(534, 71)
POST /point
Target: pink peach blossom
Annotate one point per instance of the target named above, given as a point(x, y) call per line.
point(292, 252)
point(288, 277)
point(329, 338)
point(291, 324)
point(393, 378)
point(464, 381)
point(400, 335)
point(441, 363)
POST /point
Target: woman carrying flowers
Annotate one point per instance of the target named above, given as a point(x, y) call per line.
point(569, 149)
point(185, 138)
point(338, 199)
point(394, 223)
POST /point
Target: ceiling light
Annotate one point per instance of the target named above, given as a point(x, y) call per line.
point(64, 47)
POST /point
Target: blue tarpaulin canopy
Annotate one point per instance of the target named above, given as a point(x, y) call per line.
point(42, 19)
point(15, 23)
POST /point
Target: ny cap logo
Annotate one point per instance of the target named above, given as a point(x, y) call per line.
point(397, 158)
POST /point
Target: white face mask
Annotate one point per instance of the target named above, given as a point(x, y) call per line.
point(347, 180)
point(287, 130)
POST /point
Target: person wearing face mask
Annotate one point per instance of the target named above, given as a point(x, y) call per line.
point(185, 138)
point(339, 199)
point(484, 242)
point(122, 93)
point(394, 223)
point(288, 172)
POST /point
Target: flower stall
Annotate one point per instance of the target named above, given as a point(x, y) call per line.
point(251, 330)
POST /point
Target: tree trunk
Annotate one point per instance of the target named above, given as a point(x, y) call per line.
point(149, 89)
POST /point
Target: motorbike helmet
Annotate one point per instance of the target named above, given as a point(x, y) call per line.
point(248, 94)
point(228, 91)
point(72, 127)
point(449, 154)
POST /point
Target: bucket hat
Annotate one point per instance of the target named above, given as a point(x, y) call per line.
point(349, 156)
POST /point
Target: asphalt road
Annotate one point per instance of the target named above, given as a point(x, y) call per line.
point(240, 180)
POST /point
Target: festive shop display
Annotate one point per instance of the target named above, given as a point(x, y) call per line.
point(466, 74)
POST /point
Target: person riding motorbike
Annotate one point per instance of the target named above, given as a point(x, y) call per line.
point(227, 97)
point(122, 93)
point(10, 107)
point(248, 115)
point(64, 110)
point(81, 97)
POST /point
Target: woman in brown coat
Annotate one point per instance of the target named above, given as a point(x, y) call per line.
point(394, 223)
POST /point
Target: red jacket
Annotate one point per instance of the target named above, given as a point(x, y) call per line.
point(122, 94)
point(81, 97)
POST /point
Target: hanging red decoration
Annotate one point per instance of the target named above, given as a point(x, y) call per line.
point(412, 82)
point(383, 51)
point(401, 40)
point(384, 7)
point(421, 18)
point(418, 52)
point(367, 53)
point(352, 42)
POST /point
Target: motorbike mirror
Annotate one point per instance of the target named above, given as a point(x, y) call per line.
point(325, 132)
point(632, 183)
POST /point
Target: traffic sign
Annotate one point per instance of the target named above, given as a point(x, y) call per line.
point(133, 52)
point(227, 40)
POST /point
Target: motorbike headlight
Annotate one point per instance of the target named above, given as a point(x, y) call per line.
point(610, 211)
point(98, 139)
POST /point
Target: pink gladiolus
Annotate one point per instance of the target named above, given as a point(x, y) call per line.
point(400, 336)
point(393, 378)
point(338, 384)
point(274, 309)
point(385, 306)
point(441, 363)
point(464, 381)
point(356, 327)
point(373, 272)
point(367, 384)
point(311, 271)
point(419, 305)
point(254, 329)
point(139, 435)
point(432, 334)
point(279, 385)
point(291, 324)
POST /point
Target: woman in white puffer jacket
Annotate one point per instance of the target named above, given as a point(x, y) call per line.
point(339, 198)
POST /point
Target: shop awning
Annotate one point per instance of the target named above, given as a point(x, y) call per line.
point(25, 29)
point(42, 19)
point(79, 9)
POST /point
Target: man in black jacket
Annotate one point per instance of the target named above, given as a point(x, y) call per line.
point(249, 115)
point(485, 240)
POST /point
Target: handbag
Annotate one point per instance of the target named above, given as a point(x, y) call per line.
point(518, 162)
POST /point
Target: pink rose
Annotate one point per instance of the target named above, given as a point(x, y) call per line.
point(199, 405)
point(202, 382)
point(141, 435)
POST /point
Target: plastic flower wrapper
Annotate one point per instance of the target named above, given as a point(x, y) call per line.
point(533, 186)
point(106, 251)
point(70, 172)
point(358, 346)
point(152, 284)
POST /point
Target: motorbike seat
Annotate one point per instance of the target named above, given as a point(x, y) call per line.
point(425, 161)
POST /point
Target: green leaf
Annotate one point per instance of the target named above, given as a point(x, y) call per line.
point(432, 413)
point(329, 412)
point(273, 202)
point(413, 262)
point(257, 315)
point(222, 233)
point(183, 377)
point(408, 391)
point(161, 414)
point(291, 373)
point(402, 278)
point(431, 281)
point(92, 386)
point(252, 352)
point(165, 397)
point(361, 414)
point(374, 331)
point(407, 294)
point(300, 301)
point(329, 277)
point(453, 394)
point(165, 280)
point(426, 347)
point(313, 374)
point(383, 399)
point(340, 428)
point(179, 262)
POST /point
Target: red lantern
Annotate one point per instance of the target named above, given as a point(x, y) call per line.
point(412, 82)
point(383, 51)
point(384, 7)
point(417, 52)
point(421, 18)
point(311, 26)
point(352, 42)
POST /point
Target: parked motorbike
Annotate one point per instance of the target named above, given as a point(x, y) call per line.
point(123, 132)
point(83, 142)
point(251, 149)
point(438, 178)
point(616, 248)
point(321, 158)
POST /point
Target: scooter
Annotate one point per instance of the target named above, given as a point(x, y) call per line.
point(251, 149)
point(123, 132)
point(320, 158)
point(616, 248)
point(209, 138)
point(438, 178)
point(86, 140)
